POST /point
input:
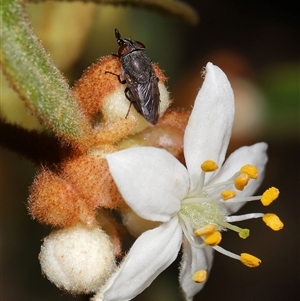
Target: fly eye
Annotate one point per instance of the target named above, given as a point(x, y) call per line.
point(140, 44)
point(124, 49)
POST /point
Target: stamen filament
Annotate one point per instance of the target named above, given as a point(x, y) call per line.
point(202, 217)
point(247, 259)
point(243, 217)
point(183, 222)
point(227, 253)
point(220, 185)
point(199, 188)
point(244, 199)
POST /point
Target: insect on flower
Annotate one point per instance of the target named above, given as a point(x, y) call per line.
point(139, 76)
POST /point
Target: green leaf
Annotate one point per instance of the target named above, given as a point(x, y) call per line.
point(33, 75)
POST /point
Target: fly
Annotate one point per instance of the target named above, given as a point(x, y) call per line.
point(139, 76)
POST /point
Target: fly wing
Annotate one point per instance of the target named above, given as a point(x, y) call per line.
point(149, 100)
point(145, 97)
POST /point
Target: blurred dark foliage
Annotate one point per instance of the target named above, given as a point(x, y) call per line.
point(266, 33)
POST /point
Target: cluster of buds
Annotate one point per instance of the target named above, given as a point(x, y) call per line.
point(72, 196)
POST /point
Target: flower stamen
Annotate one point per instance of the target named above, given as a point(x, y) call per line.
point(245, 258)
point(269, 196)
point(199, 276)
point(205, 230)
point(241, 181)
point(250, 170)
point(206, 166)
point(228, 194)
point(202, 217)
point(273, 221)
point(250, 260)
point(209, 166)
point(270, 219)
point(213, 239)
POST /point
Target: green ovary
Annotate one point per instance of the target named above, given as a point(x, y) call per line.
point(203, 213)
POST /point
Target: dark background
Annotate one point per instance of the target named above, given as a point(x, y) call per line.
point(265, 35)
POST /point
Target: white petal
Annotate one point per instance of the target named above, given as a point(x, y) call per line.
point(209, 128)
point(202, 260)
point(151, 180)
point(152, 253)
point(256, 155)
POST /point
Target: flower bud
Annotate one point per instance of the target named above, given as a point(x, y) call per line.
point(55, 202)
point(77, 259)
point(90, 176)
point(102, 97)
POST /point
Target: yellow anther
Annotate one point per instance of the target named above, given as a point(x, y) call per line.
point(228, 194)
point(213, 239)
point(250, 170)
point(199, 276)
point(244, 233)
point(209, 166)
point(205, 230)
point(241, 181)
point(269, 196)
point(273, 221)
point(250, 260)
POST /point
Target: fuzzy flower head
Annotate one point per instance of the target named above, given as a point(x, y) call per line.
point(192, 202)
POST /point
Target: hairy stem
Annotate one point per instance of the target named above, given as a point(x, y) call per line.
point(34, 76)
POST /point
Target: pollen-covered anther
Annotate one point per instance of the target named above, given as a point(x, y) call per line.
point(209, 229)
point(228, 194)
point(273, 221)
point(209, 166)
point(213, 239)
point(250, 260)
point(199, 276)
point(250, 170)
point(269, 196)
point(241, 181)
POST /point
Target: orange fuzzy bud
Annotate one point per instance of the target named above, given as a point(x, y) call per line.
point(176, 118)
point(55, 202)
point(102, 98)
point(99, 81)
point(167, 134)
point(94, 84)
point(90, 176)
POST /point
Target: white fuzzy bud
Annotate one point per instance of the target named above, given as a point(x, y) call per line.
point(135, 224)
point(116, 105)
point(77, 259)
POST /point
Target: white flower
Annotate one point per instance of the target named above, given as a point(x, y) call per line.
point(186, 200)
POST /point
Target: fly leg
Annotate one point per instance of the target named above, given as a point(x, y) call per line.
point(127, 90)
point(128, 94)
point(118, 76)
